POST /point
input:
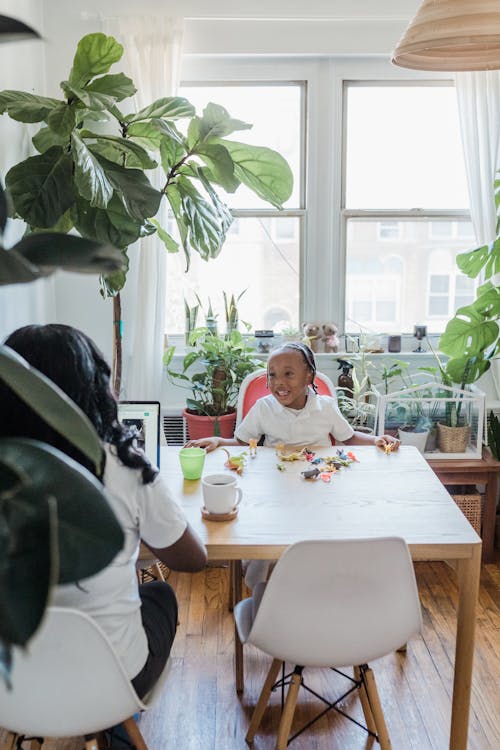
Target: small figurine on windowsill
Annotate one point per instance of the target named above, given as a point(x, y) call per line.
point(329, 338)
point(311, 335)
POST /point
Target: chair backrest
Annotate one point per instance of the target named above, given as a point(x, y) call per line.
point(67, 682)
point(338, 603)
point(254, 386)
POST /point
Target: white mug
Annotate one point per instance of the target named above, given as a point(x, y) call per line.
point(220, 493)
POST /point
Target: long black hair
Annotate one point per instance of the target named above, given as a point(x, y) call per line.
point(307, 354)
point(71, 360)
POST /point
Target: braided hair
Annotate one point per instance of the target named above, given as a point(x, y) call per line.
point(307, 354)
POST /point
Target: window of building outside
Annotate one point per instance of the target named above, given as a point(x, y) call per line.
point(260, 259)
point(406, 206)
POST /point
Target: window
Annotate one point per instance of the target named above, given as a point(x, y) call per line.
point(405, 196)
point(261, 257)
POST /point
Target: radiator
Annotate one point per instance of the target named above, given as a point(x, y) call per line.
point(175, 429)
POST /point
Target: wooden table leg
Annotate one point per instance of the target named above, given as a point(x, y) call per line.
point(490, 504)
point(468, 573)
point(238, 646)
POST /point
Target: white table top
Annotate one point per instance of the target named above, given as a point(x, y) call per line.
point(382, 495)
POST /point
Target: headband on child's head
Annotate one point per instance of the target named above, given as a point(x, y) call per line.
point(308, 355)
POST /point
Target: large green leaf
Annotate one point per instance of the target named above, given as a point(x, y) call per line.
point(205, 227)
point(46, 138)
point(49, 251)
point(263, 170)
point(62, 119)
point(147, 134)
point(171, 153)
point(217, 123)
point(121, 151)
point(93, 100)
point(41, 187)
point(95, 54)
point(471, 331)
point(14, 269)
point(28, 563)
point(26, 107)
point(117, 85)
point(90, 178)
point(465, 370)
point(50, 403)
point(57, 526)
point(112, 224)
point(139, 197)
point(169, 108)
point(486, 257)
point(169, 242)
point(3, 209)
point(220, 164)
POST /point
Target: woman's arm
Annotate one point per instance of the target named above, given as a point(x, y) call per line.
point(211, 443)
point(187, 554)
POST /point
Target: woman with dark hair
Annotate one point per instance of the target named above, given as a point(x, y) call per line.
point(139, 620)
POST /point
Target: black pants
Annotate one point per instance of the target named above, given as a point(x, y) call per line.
point(159, 619)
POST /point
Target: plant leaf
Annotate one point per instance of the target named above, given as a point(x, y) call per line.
point(93, 100)
point(217, 123)
point(95, 54)
point(49, 251)
point(114, 282)
point(204, 225)
point(171, 153)
point(169, 108)
point(486, 257)
point(169, 242)
point(46, 138)
point(61, 120)
point(26, 107)
point(112, 225)
point(174, 199)
point(470, 331)
point(3, 209)
point(117, 85)
point(41, 187)
point(220, 164)
point(139, 197)
point(50, 403)
point(90, 178)
point(121, 151)
point(263, 170)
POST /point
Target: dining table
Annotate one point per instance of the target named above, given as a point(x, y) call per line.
point(379, 494)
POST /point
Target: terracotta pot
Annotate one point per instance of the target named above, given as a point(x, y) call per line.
point(200, 426)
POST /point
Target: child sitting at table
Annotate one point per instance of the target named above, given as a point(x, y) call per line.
point(294, 415)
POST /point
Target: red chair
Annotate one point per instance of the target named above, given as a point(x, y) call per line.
point(254, 387)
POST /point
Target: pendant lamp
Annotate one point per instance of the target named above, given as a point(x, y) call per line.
point(452, 35)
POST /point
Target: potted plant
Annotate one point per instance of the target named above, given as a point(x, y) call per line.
point(218, 367)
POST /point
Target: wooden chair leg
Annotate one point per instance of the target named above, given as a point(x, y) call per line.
point(289, 710)
point(230, 605)
point(376, 709)
point(10, 741)
point(259, 709)
point(159, 572)
point(135, 734)
point(365, 703)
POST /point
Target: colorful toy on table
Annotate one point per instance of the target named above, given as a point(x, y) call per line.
point(388, 448)
point(309, 455)
point(252, 447)
point(311, 473)
point(235, 463)
point(280, 467)
point(292, 456)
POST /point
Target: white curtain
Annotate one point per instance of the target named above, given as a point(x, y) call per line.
point(152, 57)
point(478, 96)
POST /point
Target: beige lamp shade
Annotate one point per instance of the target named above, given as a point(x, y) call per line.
point(452, 35)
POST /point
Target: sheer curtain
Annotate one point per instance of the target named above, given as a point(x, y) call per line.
point(478, 96)
point(152, 56)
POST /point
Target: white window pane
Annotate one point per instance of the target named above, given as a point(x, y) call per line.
point(403, 148)
point(393, 284)
point(253, 259)
point(274, 111)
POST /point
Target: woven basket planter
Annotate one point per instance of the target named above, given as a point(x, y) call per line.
point(453, 439)
point(471, 507)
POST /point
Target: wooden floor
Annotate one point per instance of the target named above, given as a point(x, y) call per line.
point(199, 709)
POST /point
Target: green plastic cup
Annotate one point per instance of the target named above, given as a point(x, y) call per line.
point(192, 462)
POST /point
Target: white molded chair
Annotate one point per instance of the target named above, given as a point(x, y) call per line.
point(69, 682)
point(332, 603)
point(254, 386)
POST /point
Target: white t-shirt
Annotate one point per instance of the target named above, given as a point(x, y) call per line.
point(111, 597)
point(311, 425)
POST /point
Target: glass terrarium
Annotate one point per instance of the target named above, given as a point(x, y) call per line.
point(442, 421)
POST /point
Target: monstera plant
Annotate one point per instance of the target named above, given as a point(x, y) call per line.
point(94, 178)
point(55, 523)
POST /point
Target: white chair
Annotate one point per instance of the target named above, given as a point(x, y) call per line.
point(332, 603)
point(69, 682)
point(254, 386)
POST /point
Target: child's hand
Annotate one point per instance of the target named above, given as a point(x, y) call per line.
point(210, 443)
point(381, 441)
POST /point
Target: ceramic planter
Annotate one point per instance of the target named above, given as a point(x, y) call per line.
point(200, 426)
point(418, 439)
